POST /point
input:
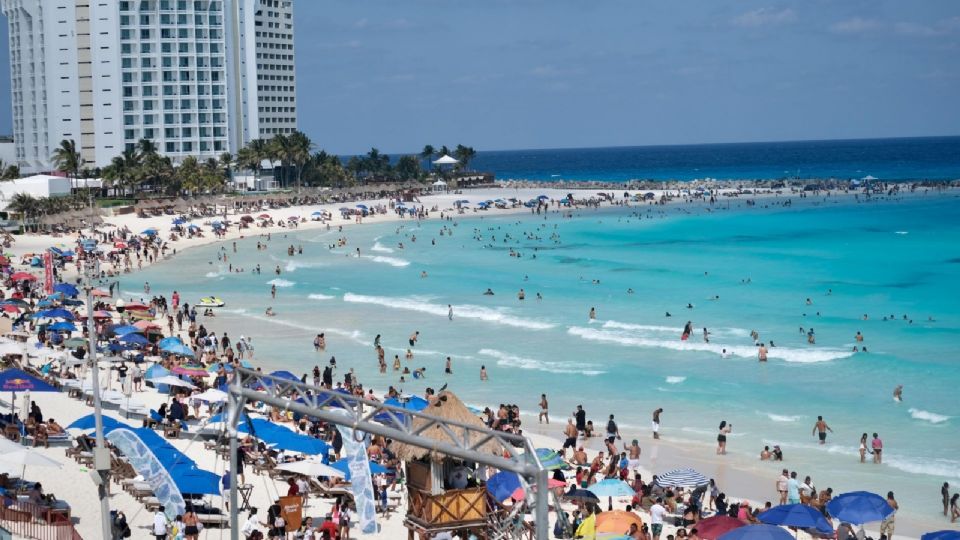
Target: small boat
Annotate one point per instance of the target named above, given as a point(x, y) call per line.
point(210, 301)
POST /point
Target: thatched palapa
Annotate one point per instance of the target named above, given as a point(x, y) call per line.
point(448, 407)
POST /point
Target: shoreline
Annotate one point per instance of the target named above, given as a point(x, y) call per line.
point(663, 454)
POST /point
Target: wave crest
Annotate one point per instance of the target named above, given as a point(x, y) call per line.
point(459, 312)
point(927, 416)
point(281, 283)
point(510, 360)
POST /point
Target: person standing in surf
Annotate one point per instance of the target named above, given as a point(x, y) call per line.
point(821, 428)
point(725, 430)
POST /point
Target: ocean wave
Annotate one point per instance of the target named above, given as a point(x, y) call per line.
point(510, 360)
point(354, 335)
point(927, 416)
point(281, 283)
point(653, 328)
point(317, 296)
point(786, 354)
point(392, 261)
point(460, 311)
point(293, 266)
point(939, 467)
point(380, 248)
point(781, 417)
point(675, 379)
point(212, 274)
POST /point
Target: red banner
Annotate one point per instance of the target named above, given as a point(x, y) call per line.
point(48, 272)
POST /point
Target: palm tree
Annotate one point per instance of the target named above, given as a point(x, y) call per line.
point(251, 156)
point(188, 175)
point(124, 170)
point(67, 159)
point(464, 154)
point(25, 205)
point(300, 146)
point(8, 172)
point(408, 168)
point(427, 154)
point(226, 161)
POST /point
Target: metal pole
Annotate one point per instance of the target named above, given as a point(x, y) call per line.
point(233, 413)
point(542, 510)
point(101, 454)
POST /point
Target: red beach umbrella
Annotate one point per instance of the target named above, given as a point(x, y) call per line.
point(717, 526)
point(21, 276)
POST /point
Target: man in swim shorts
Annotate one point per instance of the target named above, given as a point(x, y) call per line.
point(821, 428)
point(571, 434)
point(656, 423)
point(633, 455)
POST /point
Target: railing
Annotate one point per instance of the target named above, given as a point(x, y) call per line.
point(40, 522)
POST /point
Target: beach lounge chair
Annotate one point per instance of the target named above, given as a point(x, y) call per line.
point(132, 407)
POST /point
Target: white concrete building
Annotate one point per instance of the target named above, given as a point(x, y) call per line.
point(38, 186)
point(193, 76)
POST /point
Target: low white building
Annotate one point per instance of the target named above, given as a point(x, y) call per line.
point(40, 185)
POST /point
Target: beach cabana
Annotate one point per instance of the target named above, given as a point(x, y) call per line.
point(432, 507)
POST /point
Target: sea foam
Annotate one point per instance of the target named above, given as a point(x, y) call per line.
point(511, 360)
point(392, 261)
point(645, 339)
point(459, 311)
point(281, 283)
point(675, 379)
point(317, 296)
point(927, 416)
point(380, 248)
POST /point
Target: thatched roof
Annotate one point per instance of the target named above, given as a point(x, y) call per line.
point(448, 407)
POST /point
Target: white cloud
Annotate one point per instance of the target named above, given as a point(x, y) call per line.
point(764, 17)
point(940, 28)
point(856, 25)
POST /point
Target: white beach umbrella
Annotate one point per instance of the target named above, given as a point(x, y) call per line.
point(170, 380)
point(311, 467)
point(25, 456)
point(10, 347)
point(212, 395)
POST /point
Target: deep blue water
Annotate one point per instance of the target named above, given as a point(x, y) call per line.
point(888, 159)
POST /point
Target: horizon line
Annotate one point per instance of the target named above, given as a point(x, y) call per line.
point(668, 145)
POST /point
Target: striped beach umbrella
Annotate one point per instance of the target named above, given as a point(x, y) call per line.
point(681, 478)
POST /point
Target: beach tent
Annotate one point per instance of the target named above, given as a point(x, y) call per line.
point(446, 160)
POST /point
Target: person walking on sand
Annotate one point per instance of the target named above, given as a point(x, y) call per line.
point(821, 428)
point(544, 409)
point(656, 422)
point(725, 430)
point(889, 522)
point(782, 485)
point(570, 433)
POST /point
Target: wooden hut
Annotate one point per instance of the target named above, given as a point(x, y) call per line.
point(432, 507)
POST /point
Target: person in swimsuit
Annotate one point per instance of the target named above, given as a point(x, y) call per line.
point(863, 448)
point(191, 528)
point(656, 422)
point(821, 428)
point(877, 446)
point(544, 409)
point(725, 429)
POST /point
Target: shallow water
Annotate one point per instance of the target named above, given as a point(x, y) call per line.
point(881, 258)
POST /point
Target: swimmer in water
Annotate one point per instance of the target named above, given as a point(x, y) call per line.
point(898, 393)
point(593, 314)
point(488, 292)
point(269, 312)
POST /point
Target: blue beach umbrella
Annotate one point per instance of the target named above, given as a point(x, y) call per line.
point(62, 326)
point(317, 213)
point(681, 478)
point(941, 535)
point(120, 347)
point(796, 515)
point(178, 349)
point(283, 374)
point(149, 232)
point(758, 532)
point(133, 338)
point(362, 206)
point(122, 330)
point(505, 485)
point(88, 422)
point(66, 288)
point(551, 460)
point(169, 341)
point(179, 221)
point(58, 313)
point(859, 507)
point(611, 487)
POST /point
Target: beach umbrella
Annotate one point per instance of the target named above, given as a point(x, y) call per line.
point(88, 422)
point(14, 380)
point(581, 495)
point(62, 326)
point(681, 478)
point(362, 206)
point(551, 460)
point(10, 308)
point(617, 521)
point(757, 532)
point(179, 221)
point(122, 330)
point(505, 485)
point(211, 395)
point(611, 487)
point(168, 341)
point(190, 371)
point(136, 306)
point(146, 325)
point(66, 288)
point(941, 535)
point(23, 276)
point(170, 380)
point(15, 302)
point(311, 467)
point(344, 466)
point(859, 507)
point(58, 313)
point(133, 338)
point(796, 515)
point(179, 350)
point(149, 232)
point(716, 526)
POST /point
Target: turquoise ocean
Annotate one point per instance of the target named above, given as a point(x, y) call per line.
point(742, 269)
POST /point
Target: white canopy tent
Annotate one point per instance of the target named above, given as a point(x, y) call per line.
point(446, 160)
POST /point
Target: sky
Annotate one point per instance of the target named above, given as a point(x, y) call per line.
point(517, 74)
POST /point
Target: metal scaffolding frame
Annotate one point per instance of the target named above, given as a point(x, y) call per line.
point(344, 409)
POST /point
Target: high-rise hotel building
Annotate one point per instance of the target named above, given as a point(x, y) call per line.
point(196, 77)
